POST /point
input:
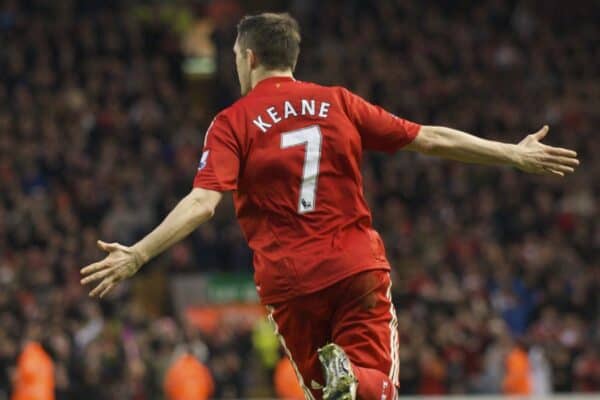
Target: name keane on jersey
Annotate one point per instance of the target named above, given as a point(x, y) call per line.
point(275, 115)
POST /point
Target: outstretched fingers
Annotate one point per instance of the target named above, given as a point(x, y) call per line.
point(562, 168)
point(549, 171)
point(105, 286)
point(560, 164)
point(96, 276)
point(570, 161)
point(559, 151)
point(557, 165)
point(97, 266)
point(108, 289)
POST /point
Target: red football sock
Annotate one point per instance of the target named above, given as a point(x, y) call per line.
point(374, 384)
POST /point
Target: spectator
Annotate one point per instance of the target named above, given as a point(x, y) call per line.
point(35, 374)
point(541, 374)
point(518, 373)
point(188, 379)
point(286, 382)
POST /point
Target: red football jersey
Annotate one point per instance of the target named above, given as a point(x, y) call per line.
point(291, 152)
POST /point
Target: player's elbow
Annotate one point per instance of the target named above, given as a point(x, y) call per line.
point(204, 212)
point(428, 141)
point(204, 203)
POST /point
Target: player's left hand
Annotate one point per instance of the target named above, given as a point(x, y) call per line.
point(538, 158)
point(122, 262)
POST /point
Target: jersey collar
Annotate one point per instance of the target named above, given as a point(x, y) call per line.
point(273, 80)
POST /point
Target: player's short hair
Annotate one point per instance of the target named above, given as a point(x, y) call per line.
point(275, 38)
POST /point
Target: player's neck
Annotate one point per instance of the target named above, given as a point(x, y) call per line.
point(262, 74)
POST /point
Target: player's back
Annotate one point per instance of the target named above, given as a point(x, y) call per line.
point(293, 151)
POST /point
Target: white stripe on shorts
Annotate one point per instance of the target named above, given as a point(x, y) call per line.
point(394, 341)
point(307, 393)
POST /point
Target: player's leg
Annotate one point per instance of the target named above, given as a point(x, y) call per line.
point(365, 326)
point(303, 326)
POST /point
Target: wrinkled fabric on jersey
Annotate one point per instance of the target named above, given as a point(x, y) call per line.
point(291, 152)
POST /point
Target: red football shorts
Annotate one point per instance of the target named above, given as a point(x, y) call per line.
point(355, 313)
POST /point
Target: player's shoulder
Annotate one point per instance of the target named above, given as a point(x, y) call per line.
point(331, 89)
point(238, 110)
point(335, 92)
point(231, 110)
point(231, 114)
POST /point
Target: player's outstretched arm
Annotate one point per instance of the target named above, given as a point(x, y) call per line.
point(529, 155)
point(123, 262)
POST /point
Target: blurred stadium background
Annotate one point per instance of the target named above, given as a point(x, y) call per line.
point(103, 108)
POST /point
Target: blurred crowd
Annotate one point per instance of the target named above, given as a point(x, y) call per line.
point(494, 270)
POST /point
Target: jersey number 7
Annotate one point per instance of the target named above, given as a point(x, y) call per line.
point(311, 137)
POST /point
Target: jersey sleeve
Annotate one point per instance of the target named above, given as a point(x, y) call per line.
point(379, 129)
point(219, 165)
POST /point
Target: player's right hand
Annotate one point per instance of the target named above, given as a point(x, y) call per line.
point(121, 263)
point(538, 158)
